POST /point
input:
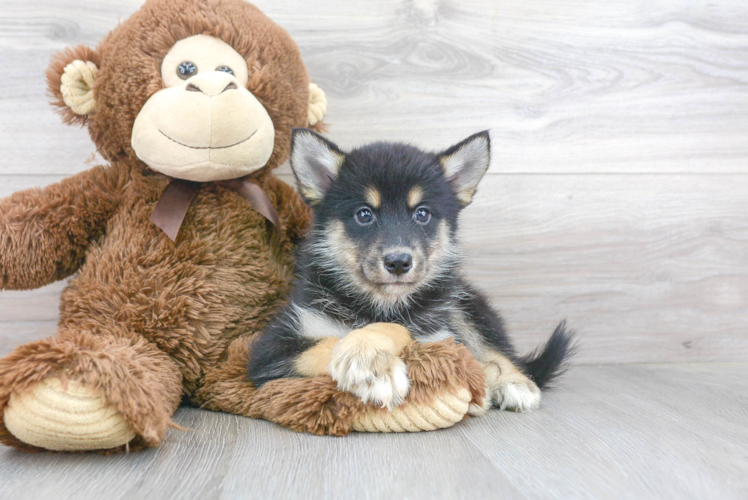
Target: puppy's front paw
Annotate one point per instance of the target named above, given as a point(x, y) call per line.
point(517, 396)
point(365, 365)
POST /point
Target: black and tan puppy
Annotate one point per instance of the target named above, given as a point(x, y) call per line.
point(381, 265)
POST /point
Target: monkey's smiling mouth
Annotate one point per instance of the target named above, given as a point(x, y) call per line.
point(208, 147)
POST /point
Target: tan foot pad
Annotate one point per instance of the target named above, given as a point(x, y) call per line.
point(69, 417)
point(444, 412)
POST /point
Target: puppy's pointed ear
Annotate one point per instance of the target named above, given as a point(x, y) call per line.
point(465, 163)
point(315, 162)
point(71, 83)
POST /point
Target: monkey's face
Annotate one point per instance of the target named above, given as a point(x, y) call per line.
point(205, 125)
point(199, 90)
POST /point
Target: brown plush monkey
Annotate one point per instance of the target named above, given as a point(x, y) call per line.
point(173, 245)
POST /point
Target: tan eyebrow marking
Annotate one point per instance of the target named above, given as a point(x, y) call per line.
point(415, 196)
point(373, 197)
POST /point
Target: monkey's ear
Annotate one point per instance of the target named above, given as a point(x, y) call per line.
point(315, 162)
point(317, 108)
point(465, 163)
point(71, 80)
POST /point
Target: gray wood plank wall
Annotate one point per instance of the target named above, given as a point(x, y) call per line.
point(618, 191)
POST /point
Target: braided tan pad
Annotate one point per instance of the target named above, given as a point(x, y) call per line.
point(444, 411)
point(76, 87)
point(69, 417)
point(317, 104)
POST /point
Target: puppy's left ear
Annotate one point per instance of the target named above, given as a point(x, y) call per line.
point(465, 163)
point(315, 162)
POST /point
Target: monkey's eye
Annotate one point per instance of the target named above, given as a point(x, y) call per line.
point(186, 70)
point(225, 69)
point(364, 217)
point(422, 215)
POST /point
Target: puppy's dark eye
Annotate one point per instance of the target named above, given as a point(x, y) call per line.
point(225, 69)
point(186, 70)
point(364, 217)
point(422, 215)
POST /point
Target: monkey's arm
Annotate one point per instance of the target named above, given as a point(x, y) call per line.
point(44, 232)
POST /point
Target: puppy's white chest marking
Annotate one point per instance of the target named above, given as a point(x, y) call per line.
point(316, 325)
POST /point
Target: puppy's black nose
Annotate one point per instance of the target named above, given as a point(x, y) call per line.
point(398, 263)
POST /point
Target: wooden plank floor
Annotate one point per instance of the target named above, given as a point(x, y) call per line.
point(626, 431)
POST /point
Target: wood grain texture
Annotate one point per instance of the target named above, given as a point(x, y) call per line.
point(565, 86)
point(644, 273)
point(633, 431)
point(616, 197)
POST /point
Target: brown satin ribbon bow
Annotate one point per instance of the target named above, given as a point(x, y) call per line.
point(176, 198)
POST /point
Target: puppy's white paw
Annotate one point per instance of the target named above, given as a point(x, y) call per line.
point(517, 396)
point(373, 374)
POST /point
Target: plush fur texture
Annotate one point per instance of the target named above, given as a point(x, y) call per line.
point(150, 322)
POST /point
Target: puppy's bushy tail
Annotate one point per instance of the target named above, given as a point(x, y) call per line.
point(549, 361)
